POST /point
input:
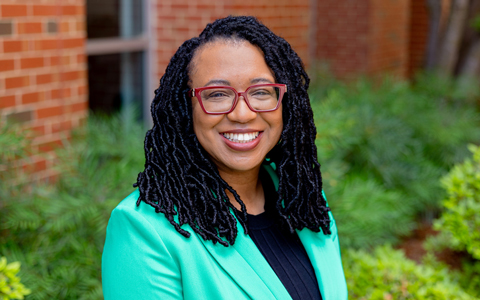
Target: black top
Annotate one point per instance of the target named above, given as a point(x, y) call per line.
point(282, 250)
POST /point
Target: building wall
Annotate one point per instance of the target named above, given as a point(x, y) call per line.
point(43, 63)
point(342, 35)
point(42, 72)
point(418, 36)
point(388, 40)
point(180, 20)
point(363, 37)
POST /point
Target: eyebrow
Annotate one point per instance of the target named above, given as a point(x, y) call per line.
point(226, 82)
point(217, 82)
point(260, 80)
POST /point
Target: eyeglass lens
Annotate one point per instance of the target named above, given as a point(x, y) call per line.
point(221, 99)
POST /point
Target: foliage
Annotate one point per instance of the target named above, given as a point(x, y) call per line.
point(387, 274)
point(459, 225)
point(384, 147)
point(14, 145)
point(476, 23)
point(461, 218)
point(470, 278)
point(10, 285)
point(57, 231)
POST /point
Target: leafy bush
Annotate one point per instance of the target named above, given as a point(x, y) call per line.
point(461, 218)
point(387, 274)
point(384, 147)
point(10, 285)
point(459, 225)
point(14, 146)
point(57, 231)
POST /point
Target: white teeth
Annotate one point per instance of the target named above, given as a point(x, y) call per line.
point(241, 137)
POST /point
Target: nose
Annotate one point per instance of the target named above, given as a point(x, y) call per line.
point(241, 113)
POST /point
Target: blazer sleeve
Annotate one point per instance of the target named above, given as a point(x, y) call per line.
point(135, 262)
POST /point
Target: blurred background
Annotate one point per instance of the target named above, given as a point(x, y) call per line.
point(395, 92)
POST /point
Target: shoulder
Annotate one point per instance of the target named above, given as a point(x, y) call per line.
point(128, 217)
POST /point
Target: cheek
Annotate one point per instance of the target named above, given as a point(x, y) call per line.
point(203, 124)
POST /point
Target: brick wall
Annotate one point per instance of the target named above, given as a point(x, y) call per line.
point(363, 36)
point(43, 72)
point(343, 35)
point(43, 64)
point(418, 35)
point(389, 37)
point(180, 20)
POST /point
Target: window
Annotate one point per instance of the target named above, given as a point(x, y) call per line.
point(119, 53)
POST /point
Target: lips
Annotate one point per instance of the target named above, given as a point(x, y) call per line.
point(242, 141)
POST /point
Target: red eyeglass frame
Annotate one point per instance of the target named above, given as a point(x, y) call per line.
point(196, 93)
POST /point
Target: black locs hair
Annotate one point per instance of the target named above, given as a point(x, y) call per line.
point(182, 182)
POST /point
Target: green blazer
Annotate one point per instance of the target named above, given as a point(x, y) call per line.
point(146, 258)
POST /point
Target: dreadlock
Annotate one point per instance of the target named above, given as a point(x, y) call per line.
point(182, 182)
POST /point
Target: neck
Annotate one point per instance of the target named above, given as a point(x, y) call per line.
point(249, 187)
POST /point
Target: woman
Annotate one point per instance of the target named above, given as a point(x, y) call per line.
point(230, 204)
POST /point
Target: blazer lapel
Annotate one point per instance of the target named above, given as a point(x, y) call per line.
point(324, 253)
point(248, 268)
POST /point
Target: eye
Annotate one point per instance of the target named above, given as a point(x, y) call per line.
point(261, 92)
point(216, 94)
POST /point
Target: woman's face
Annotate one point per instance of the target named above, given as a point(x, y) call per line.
point(239, 65)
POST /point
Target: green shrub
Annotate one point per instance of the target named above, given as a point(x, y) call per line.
point(390, 141)
point(10, 285)
point(387, 274)
point(459, 224)
point(461, 218)
point(14, 142)
point(57, 231)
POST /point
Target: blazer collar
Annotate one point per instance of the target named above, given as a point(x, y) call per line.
point(251, 271)
point(324, 253)
point(248, 268)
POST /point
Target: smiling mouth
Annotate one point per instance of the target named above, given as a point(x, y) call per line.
point(241, 137)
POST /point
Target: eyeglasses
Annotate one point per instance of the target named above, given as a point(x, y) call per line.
point(217, 100)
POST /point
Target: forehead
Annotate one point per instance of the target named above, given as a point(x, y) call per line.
point(228, 60)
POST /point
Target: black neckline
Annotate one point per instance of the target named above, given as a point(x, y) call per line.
point(267, 218)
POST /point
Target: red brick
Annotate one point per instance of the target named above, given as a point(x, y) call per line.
point(40, 165)
point(69, 76)
point(81, 106)
point(44, 78)
point(7, 65)
point(39, 129)
point(32, 62)
point(48, 44)
point(31, 98)
point(29, 27)
point(61, 126)
point(14, 46)
point(71, 10)
point(9, 10)
point(54, 60)
point(81, 58)
point(80, 25)
point(65, 60)
point(49, 146)
point(45, 10)
point(64, 26)
point(66, 92)
point(7, 101)
point(82, 90)
point(73, 43)
point(48, 112)
point(57, 94)
point(17, 82)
